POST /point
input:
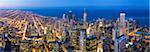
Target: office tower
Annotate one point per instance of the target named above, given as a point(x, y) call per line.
point(71, 16)
point(82, 40)
point(122, 18)
point(119, 41)
point(84, 18)
point(91, 43)
point(114, 31)
point(122, 24)
point(64, 16)
point(119, 38)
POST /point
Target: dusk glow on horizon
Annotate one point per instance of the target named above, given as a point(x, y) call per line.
point(73, 3)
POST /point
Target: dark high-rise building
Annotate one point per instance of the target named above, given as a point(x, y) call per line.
point(71, 16)
point(91, 43)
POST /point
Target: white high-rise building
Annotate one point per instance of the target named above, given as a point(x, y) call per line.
point(64, 16)
point(122, 25)
point(82, 38)
point(114, 31)
point(122, 19)
point(84, 18)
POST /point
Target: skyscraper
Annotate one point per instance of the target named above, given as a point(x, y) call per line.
point(64, 16)
point(71, 16)
point(122, 23)
point(122, 19)
point(119, 41)
point(82, 39)
point(114, 31)
point(84, 18)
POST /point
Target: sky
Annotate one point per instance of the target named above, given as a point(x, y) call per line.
point(142, 4)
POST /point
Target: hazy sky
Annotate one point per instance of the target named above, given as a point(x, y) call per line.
point(74, 3)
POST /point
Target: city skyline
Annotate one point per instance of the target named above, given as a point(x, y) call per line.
point(74, 26)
